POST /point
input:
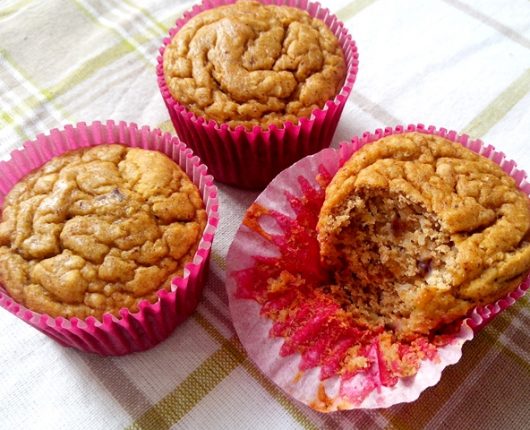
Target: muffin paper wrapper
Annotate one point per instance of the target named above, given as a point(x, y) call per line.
point(251, 158)
point(153, 322)
point(254, 329)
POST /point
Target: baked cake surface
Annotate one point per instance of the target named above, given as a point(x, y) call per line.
point(419, 230)
point(98, 229)
point(253, 64)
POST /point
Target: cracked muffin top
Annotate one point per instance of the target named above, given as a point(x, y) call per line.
point(418, 230)
point(98, 229)
point(252, 64)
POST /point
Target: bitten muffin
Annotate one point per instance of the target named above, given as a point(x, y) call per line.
point(419, 230)
point(98, 229)
point(252, 64)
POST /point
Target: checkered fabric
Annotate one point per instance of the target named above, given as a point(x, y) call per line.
point(460, 64)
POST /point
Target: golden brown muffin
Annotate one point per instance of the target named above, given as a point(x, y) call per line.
point(419, 230)
point(250, 64)
point(98, 229)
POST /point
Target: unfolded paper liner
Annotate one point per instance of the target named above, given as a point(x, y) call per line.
point(153, 322)
point(254, 329)
point(251, 158)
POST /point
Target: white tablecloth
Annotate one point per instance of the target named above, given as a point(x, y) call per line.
point(463, 65)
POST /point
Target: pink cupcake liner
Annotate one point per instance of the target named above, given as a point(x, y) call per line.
point(130, 332)
point(250, 159)
point(306, 383)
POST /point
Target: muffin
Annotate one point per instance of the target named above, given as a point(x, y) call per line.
point(419, 230)
point(254, 87)
point(97, 230)
point(105, 234)
point(355, 287)
point(252, 64)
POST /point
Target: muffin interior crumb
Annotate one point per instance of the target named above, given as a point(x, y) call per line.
point(392, 248)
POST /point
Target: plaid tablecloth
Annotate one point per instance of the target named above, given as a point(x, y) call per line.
point(464, 65)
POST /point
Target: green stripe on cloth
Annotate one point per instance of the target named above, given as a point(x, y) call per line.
point(21, 112)
point(39, 95)
point(499, 107)
point(47, 95)
point(474, 351)
point(352, 9)
point(96, 19)
point(275, 392)
point(155, 28)
point(17, 111)
point(161, 26)
point(489, 357)
point(491, 22)
point(418, 413)
point(6, 11)
point(516, 358)
point(211, 330)
point(91, 66)
point(189, 393)
point(117, 383)
point(205, 378)
point(373, 109)
point(106, 57)
point(252, 370)
point(219, 260)
point(167, 126)
point(504, 319)
point(9, 120)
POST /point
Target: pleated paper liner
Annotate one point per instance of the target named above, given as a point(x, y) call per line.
point(154, 322)
point(251, 158)
point(303, 351)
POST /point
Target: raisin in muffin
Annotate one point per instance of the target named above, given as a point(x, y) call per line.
point(98, 229)
point(252, 64)
point(419, 230)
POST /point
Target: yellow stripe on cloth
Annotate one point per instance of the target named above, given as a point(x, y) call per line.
point(499, 107)
point(92, 65)
point(410, 416)
point(11, 9)
point(167, 126)
point(499, 326)
point(7, 120)
point(191, 391)
point(417, 414)
point(251, 369)
point(100, 21)
point(38, 94)
point(272, 389)
point(352, 9)
point(173, 407)
point(491, 22)
point(161, 26)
